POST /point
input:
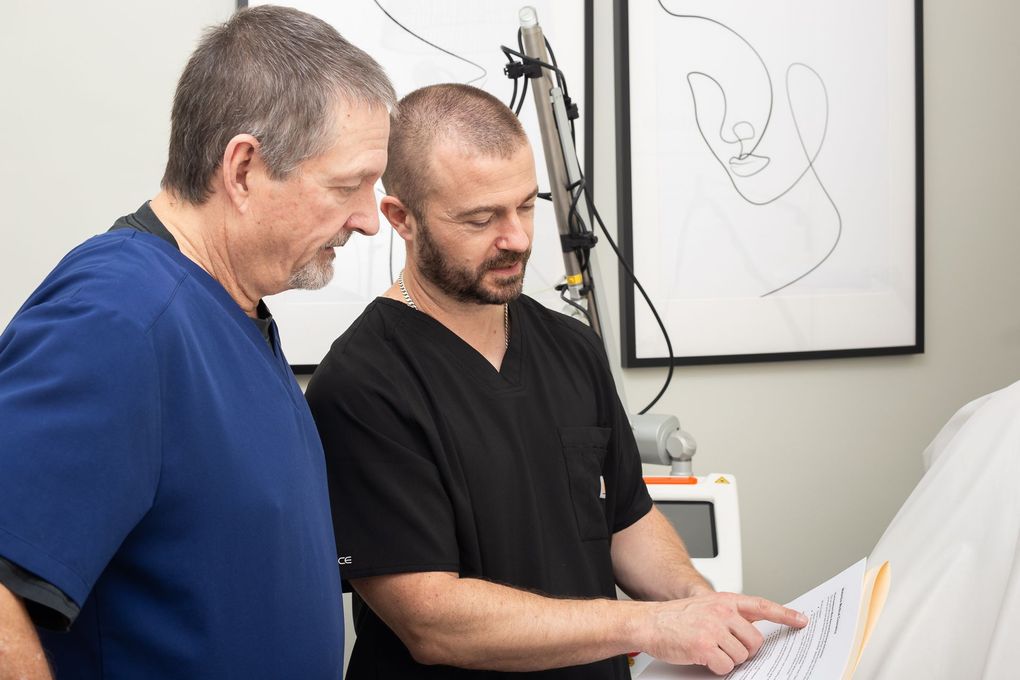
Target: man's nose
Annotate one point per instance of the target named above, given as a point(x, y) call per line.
point(515, 235)
point(365, 218)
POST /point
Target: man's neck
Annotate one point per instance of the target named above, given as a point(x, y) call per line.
point(202, 235)
point(480, 326)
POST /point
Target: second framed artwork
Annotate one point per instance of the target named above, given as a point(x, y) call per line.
point(770, 178)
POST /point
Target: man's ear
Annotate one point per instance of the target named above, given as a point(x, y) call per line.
point(397, 214)
point(239, 160)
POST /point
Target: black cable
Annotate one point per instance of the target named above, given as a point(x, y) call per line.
point(549, 49)
point(513, 97)
point(524, 95)
point(573, 217)
point(575, 305)
point(560, 80)
point(530, 60)
point(651, 307)
point(582, 187)
point(511, 62)
point(577, 189)
point(522, 72)
point(578, 224)
point(575, 220)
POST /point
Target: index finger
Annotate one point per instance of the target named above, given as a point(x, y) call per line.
point(759, 609)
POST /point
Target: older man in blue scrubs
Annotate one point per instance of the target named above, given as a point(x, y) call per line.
point(162, 491)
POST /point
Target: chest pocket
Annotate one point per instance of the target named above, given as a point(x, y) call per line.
point(584, 453)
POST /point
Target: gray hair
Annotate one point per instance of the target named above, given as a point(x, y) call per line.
point(275, 73)
point(461, 113)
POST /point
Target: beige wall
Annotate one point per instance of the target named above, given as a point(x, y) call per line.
point(84, 121)
point(825, 451)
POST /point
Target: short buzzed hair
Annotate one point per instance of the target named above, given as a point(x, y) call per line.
point(275, 73)
point(460, 113)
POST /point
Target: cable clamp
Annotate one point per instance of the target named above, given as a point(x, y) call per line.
point(573, 242)
point(583, 290)
point(572, 112)
point(516, 69)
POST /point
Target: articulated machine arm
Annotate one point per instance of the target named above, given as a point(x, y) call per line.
point(660, 439)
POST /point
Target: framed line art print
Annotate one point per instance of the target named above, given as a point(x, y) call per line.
point(770, 187)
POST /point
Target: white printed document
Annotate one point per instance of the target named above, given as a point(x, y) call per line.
point(842, 612)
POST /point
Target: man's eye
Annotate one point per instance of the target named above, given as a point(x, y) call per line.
point(481, 223)
point(527, 208)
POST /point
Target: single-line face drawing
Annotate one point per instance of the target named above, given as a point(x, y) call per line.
point(473, 81)
point(733, 99)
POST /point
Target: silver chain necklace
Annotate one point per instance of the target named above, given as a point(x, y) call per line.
point(410, 303)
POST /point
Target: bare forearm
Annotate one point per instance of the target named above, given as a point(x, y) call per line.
point(679, 582)
point(472, 623)
point(21, 655)
point(444, 619)
point(651, 563)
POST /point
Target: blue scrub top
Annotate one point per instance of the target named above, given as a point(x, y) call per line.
point(159, 466)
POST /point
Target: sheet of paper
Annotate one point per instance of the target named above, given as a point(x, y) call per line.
point(816, 652)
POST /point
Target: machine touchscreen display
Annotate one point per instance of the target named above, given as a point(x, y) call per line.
point(695, 522)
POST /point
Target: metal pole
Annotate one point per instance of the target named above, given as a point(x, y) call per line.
point(554, 141)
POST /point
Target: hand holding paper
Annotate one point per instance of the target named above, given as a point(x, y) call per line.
point(843, 611)
point(714, 630)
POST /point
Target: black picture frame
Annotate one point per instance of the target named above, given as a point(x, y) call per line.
point(735, 339)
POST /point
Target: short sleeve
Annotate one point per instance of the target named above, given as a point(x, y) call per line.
point(47, 606)
point(632, 501)
point(79, 439)
point(391, 512)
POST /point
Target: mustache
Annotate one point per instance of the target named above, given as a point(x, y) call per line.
point(339, 240)
point(506, 258)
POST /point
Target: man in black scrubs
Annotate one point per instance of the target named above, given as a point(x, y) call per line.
point(485, 482)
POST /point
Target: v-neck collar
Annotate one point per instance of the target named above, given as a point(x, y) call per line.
point(464, 355)
point(270, 351)
point(145, 221)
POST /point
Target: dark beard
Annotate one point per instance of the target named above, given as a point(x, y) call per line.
point(462, 284)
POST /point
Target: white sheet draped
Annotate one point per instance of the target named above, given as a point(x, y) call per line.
point(953, 611)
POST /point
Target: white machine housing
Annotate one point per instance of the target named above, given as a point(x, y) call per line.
point(705, 513)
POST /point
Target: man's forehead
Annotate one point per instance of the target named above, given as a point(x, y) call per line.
point(448, 144)
point(360, 137)
point(454, 163)
point(464, 184)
